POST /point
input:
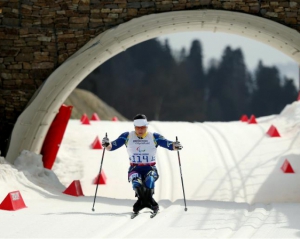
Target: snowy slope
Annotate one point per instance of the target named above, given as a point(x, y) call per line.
point(232, 176)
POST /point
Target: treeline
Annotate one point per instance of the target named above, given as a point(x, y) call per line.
point(146, 78)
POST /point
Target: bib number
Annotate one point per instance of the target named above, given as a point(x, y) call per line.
point(141, 159)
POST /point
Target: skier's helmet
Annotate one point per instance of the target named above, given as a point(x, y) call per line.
point(140, 120)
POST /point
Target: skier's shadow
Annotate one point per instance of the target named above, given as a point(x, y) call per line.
point(121, 214)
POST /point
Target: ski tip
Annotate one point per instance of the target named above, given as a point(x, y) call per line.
point(133, 215)
point(153, 215)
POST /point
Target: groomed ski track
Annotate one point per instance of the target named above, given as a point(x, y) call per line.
point(229, 172)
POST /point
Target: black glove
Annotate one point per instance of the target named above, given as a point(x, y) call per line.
point(177, 145)
point(105, 142)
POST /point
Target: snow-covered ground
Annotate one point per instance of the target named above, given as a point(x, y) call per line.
point(231, 171)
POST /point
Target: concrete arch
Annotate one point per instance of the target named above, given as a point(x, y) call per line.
point(32, 125)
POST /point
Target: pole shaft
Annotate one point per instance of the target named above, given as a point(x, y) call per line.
point(99, 176)
point(181, 176)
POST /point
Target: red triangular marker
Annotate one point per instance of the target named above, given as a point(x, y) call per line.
point(13, 202)
point(286, 167)
point(298, 96)
point(83, 117)
point(101, 179)
point(85, 120)
point(74, 189)
point(273, 132)
point(96, 144)
point(95, 117)
point(115, 118)
point(252, 120)
point(244, 118)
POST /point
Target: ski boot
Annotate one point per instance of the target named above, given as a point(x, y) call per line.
point(141, 202)
point(138, 206)
point(152, 204)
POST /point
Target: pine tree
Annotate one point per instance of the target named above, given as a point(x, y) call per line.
point(191, 80)
point(289, 92)
point(228, 85)
point(266, 99)
point(194, 65)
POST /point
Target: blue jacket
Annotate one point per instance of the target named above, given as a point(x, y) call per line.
point(158, 139)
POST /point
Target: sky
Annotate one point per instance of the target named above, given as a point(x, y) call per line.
point(213, 45)
point(231, 171)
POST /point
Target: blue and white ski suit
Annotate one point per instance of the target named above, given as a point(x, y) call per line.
point(142, 156)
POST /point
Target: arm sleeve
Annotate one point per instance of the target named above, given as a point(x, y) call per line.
point(159, 140)
point(120, 141)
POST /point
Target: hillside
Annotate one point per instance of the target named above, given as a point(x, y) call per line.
point(86, 102)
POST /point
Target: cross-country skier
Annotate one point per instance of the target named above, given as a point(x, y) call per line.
point(141, 147)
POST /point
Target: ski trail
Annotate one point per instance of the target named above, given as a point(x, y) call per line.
point(234, 169)
point(213, 140)
point(123, 228)
point(236, 224)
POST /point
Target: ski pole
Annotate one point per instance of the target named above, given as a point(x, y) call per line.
point(99, 176)
point(181, 176)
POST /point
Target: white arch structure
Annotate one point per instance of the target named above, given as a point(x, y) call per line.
point(33, 124)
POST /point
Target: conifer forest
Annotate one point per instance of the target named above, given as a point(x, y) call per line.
point(147, 78)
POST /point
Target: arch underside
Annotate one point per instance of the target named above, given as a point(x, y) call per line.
point(33, 124)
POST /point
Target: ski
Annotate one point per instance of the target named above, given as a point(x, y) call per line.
point(153, 214)
point(133, 215)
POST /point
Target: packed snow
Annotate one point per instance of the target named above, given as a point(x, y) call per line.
point(232, 173)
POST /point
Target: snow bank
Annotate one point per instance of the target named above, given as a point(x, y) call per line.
point(28, 173)
point(31, 165)
point(292, 111)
